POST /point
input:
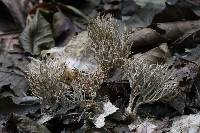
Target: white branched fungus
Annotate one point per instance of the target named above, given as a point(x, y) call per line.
point(49, 80)
point(54, 82)
point(109, 42)
point(150, 82)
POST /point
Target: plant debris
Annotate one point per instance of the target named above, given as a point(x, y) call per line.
point(99, 66)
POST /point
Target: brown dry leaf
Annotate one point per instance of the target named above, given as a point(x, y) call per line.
point(147, 38)
point(156, 55)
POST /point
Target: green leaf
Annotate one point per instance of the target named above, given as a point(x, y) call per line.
point(37, 35)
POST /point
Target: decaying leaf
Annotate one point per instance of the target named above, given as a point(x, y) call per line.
point(7, 22)
point(76, 53)
point(147, 38)
point(112, 6)
point(157, 55)
point(192, 54)
point(185, 73)
point(188, 40)
point(13, 85)
point(79, 55)
point(145, 13)
point(146, 128)
point(11, 73)
point(186, 124)
point(63, 28)
point(18, 10)
point(10, 43)
point(149, 126)
point(37, 35)
point(12, 104)
point(178, 10)
point(108, 109)
point(17, 123)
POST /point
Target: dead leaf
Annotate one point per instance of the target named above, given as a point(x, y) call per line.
point(10, 43)
point(186, 124)
point(188, 40)
point(111, 7)
point(185, 72)
point(17, 10)
point(149, 126)
point(63, 28)
point(128, 8)
point(108, 109)
point(147, 38)
point(7, 22)
point(7, 106)
point(178, 10)
point(37, 35)
point(192, 54)
point(12, 69)
point(146, 127)
point(17, 123)
point(156, 55)
point(145, 12)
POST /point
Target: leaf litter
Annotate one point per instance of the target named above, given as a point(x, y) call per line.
point(96, 94)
